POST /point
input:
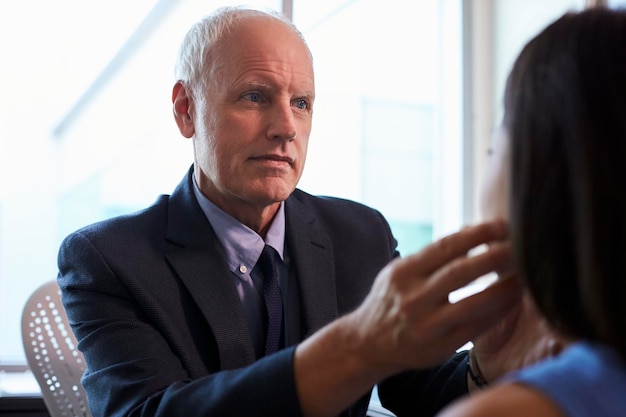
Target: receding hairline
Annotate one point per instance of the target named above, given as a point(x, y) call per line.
point(209, 32)
point(241, 15)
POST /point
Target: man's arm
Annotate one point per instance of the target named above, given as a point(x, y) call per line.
point(135, 367)
point(406, 321)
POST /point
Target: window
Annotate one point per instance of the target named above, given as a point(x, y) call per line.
point(383, 107)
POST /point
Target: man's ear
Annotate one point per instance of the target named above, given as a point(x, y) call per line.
point(181, 100)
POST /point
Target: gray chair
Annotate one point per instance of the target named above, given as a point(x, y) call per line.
point(50, 348)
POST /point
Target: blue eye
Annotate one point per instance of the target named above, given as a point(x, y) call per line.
point(254, 97)
point(302, 104)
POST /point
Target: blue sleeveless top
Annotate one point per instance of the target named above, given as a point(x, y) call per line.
point(585, 380)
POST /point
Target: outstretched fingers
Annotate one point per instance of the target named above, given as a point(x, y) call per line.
point(425, 313)
point(408, 313)
point(464, 270)
point(458, 244)
point(471, 316)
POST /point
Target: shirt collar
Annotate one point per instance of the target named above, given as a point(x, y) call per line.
point(242, 245)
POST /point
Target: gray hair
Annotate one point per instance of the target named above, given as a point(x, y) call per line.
point(194, 66)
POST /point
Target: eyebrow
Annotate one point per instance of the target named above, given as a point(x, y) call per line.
point(268, 86)
point(257, 84)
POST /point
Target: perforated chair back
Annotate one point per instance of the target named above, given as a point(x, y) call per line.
point(50, 348)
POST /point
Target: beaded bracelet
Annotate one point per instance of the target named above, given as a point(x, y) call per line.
point(474, 371)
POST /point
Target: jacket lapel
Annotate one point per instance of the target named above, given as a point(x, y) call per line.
point(311, 251)
point(199, 261)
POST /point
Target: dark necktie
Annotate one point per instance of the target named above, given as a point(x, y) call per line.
point(273, 300)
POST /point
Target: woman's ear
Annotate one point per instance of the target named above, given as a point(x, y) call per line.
point(555, 346)
point(181, 100)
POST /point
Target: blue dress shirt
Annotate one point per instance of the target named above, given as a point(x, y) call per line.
point(243, 246)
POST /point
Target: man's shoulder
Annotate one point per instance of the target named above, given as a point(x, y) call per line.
point(330, 203)
point(129, 222)
point(334, 213)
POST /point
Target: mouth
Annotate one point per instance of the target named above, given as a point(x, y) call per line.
point(274, 159)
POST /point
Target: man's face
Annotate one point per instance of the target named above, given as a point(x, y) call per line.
point(253, 122)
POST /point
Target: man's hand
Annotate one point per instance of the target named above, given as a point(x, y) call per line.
point(407, 321)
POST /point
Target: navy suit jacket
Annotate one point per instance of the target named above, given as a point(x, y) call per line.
point(157, 316)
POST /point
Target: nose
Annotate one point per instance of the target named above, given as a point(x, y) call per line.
point(282, 124)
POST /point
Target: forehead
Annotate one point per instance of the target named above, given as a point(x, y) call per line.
point(264, 44)
point(259, 29)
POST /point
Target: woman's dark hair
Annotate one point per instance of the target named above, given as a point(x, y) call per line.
point(565, 113)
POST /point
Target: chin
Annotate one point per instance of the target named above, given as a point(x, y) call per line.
point(279, 196)
point(277, 189)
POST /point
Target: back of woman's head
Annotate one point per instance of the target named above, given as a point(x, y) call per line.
point(565, 113)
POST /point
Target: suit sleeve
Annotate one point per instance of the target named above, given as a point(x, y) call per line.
point(423, 393)
point(132, 369)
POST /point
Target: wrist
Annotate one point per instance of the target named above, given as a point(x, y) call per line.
point(331, 371)
point(474, 373)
